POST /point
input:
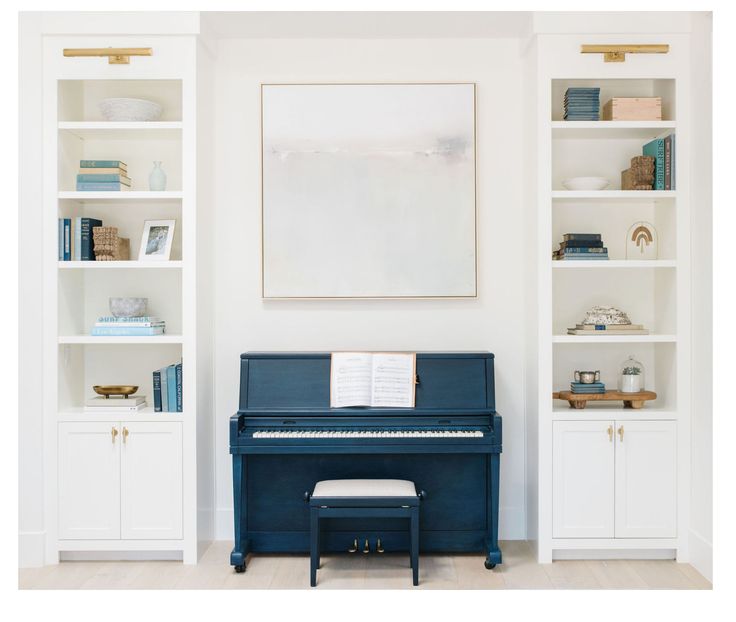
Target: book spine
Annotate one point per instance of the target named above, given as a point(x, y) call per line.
point(655, 149)
point(142, 318)
point(583, 243)
point(132, 324)
point(674, 161)
point(78, 238)
point(103, 171)
point(157, 391)
point(581, 236)
point(99, 186)
point(102, 164)
point(584, 250)
point(667, 163)
point(179, 388)
point(125, 331)
point(164, 390)
point(87, 253)
point(67, 239)
point(104, 178)
point(171, 387)
point(61, 239)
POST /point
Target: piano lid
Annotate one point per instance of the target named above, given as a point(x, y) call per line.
point(301, 380)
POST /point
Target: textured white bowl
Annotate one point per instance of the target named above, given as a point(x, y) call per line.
point(128, 307)
point(586, 183)
point(127, 109)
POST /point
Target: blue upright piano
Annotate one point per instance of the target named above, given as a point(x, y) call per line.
point(285, 438)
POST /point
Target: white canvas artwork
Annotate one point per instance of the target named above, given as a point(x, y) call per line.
point(368, 190)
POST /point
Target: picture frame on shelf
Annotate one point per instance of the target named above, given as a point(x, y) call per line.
point(156, 240)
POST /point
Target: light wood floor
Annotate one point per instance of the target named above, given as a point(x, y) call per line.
point(358, 571)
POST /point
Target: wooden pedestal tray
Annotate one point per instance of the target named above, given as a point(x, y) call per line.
point(631, 400)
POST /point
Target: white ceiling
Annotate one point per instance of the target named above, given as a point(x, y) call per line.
point(368, 24)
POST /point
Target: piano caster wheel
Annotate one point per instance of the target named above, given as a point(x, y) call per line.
point(354, 548)
point(240, 568)
point(366, 547)
point(379, 546)
point(489, 565)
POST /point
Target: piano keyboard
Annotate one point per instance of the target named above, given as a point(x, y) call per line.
point(368, 434)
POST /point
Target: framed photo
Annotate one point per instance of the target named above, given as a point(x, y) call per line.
point(156, 241)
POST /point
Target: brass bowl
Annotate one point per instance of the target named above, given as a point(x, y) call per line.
point(115, 389)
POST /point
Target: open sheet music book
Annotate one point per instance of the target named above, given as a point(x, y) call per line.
point(379, 379)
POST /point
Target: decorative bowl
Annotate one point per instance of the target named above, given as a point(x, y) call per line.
point(128, 307)
point(586, 183)
point(128, 109)
point(114, 389)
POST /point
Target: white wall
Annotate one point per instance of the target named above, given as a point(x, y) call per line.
point(492, 322)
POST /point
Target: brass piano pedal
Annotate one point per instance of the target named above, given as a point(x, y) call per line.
point(354, 548)
point(379, 546)
point(366, 547)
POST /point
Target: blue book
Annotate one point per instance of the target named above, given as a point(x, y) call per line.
point(67, 239)
point(581, 236)
point(126, 331)
point(95, 177)
point(582, 243)
point(171, 387)
point(102, 164)
point(78, 238)
point(655, 149)
point(164, 390)
point(61, 239)
point(86, 252)
point(584, 250)
point(179, 398)
point(157, 391)
point(100, 186)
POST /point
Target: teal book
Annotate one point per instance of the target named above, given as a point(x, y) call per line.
point(179, 383)
point(171, 387)
point(94, 177)
point(127, 331)
point(102, 164)
point(655, 149)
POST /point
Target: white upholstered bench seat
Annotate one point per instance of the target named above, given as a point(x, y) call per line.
point(365, 488)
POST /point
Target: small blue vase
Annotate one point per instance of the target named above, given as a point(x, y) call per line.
point(157, 178)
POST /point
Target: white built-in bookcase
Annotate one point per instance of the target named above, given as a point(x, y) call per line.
point(655, 293)
point(164, 481)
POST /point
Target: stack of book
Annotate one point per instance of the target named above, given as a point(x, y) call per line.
point(102, 175)
point(116, 404)
point(663, 152)
point(75, 238)
point(144, 326)
point(582, 104)
point(608, 329)
point(167, 389)
point(577, 246)
point(589, 387)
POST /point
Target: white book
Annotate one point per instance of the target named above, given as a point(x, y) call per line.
point(116, 402)
point(378, 379)
point(115, 409)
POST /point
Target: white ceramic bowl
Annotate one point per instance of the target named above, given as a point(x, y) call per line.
point(586, 183)
point(127, 109)
point(128, 307)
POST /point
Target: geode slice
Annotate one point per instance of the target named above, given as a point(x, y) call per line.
point(605, 316)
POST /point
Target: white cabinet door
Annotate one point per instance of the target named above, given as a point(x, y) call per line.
point(582, 479)
point(89, 481)
point(646, 479)
point(151, 480)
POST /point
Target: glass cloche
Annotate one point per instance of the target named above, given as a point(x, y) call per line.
point(631, 376)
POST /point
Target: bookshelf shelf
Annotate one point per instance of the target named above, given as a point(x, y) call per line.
point(594, 264)
point(90, 340)
point(132, 195)
point(614, 339)
point(614, 195)
point(147, 414)
point(607, 130)
point(120, 265)
point(127, 130)
point(593, 413)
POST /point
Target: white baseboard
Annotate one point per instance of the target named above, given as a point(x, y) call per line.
point(701, 555)
point(511, 524)
point(613, 554)
point(31, 548)
point(106, 556)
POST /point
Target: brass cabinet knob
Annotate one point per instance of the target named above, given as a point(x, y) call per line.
point(621, 433)
point(610, 433)
point(126, 433)
point(114, 433)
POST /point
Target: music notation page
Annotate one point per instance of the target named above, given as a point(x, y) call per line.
point(381, 379)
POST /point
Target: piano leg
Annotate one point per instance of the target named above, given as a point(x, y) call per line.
point(239, 553)
point(314, 545)
point(494, 553)
point(414, 547)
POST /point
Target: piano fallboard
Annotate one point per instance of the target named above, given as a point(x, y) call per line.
point(284, 393)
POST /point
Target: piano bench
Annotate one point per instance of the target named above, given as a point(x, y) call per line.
point(363, 498)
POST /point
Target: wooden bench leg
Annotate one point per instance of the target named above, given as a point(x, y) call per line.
point(314, 546)
point(414, 548)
